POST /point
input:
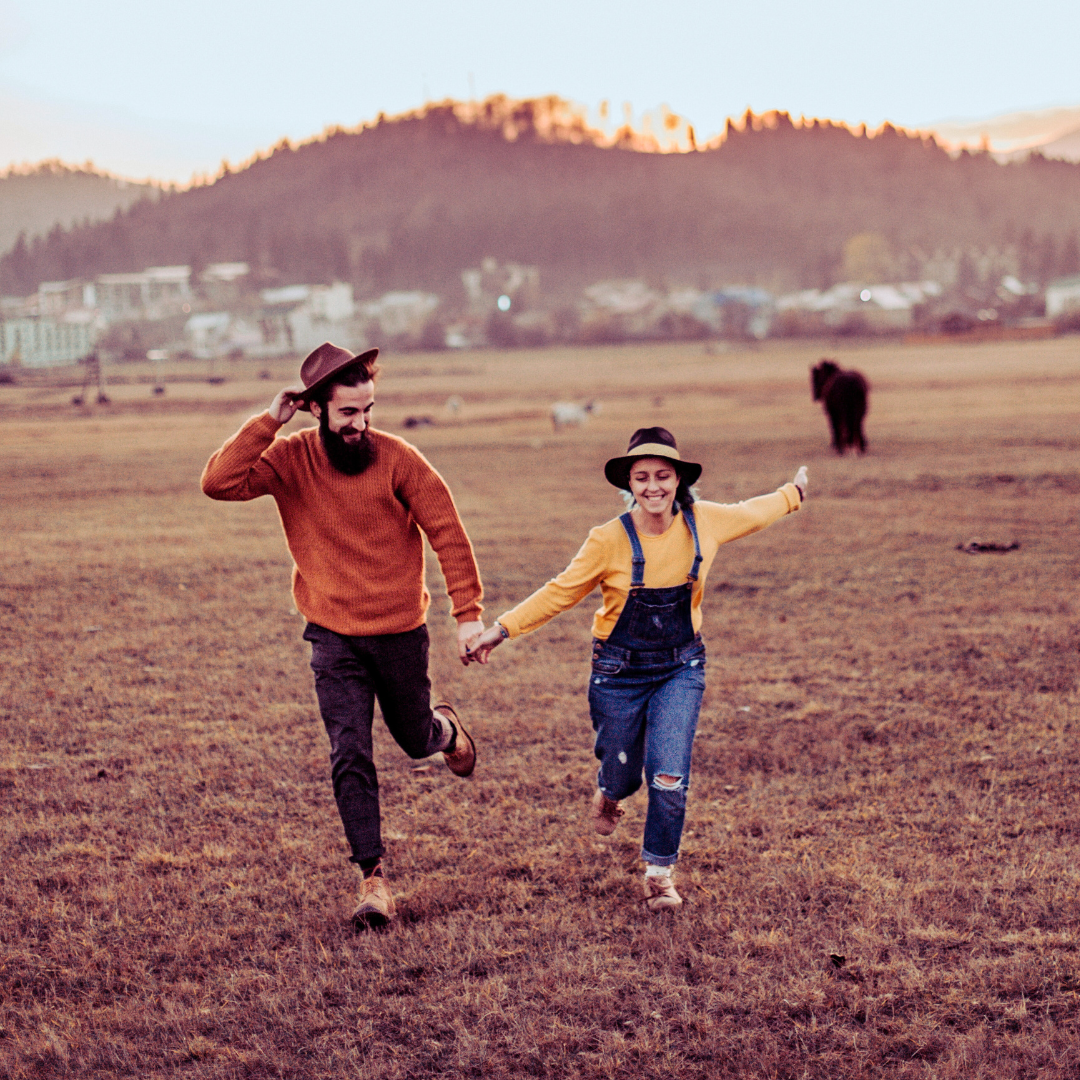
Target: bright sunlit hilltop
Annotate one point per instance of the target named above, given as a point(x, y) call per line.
point(173, 92)
point(410, 202)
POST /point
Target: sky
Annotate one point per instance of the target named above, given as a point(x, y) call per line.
point(170, 90)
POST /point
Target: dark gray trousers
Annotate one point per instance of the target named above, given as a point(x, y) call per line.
point(350, 674)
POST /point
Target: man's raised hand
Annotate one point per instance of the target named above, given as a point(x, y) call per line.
point(283, 407)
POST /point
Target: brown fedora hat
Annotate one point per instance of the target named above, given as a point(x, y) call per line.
point(650, 442)
point(323, 363)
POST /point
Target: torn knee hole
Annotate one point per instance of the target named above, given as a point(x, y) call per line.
point(663, 780)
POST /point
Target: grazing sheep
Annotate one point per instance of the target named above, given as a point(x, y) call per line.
point(845, 395)
point(567, 414)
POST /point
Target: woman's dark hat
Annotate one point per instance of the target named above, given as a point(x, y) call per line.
point(323, 364)
point(650, 442)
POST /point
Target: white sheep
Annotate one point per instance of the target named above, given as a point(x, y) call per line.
point(568, 414)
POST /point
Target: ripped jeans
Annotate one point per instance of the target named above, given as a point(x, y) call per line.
point(644, 708)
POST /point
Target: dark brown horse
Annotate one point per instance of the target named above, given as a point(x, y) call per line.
point(846, 396)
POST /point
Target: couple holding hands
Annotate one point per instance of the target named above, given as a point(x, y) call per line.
point(354, 502)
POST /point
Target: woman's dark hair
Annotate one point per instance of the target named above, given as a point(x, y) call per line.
point(683, 495)
point(351, 376)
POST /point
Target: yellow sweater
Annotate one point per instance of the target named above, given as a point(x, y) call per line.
point(355, 540)
point(605, 560)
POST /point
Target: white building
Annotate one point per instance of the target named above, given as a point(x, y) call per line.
point(224, 273)
point(399, 315)
point(877, 307)
point(491, 279)
point(44, 341)
point(299, 318)
point(59, 297)
point(1063, 296)
point(221, 284)
point(612, 310)
point(219, 333)
point(742, 310)
point(154, 293)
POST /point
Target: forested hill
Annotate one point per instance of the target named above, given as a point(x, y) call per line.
point(34, 200)
point(409, 202)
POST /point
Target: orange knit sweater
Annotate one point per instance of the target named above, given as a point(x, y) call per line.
point(355, 540)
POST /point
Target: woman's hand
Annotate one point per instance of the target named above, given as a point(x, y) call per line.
point(800, 481)
point(479, 648)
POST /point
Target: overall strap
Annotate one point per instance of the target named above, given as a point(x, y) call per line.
point(637, 576)
point(691, 524)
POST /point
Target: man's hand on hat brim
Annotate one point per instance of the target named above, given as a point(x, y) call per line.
point(283, 407)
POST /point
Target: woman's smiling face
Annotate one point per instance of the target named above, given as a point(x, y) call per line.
point(653, 483)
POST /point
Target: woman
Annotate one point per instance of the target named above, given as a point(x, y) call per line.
point(648, 659)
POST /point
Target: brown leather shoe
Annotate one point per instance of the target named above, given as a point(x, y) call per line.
point(462, 759)
point(660, 894)
point(605, 814)
point(376, 907)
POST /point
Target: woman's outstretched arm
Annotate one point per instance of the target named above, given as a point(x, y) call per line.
point(585, 572)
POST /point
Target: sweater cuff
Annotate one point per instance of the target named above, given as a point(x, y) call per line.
point(794, 499)
point(470, 614)
point(510, 624)
point(265, 421)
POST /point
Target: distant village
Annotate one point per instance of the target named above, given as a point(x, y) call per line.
point(220, 312)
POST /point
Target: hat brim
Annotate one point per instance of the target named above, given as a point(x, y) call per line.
point(617, 470)
point(304, 400)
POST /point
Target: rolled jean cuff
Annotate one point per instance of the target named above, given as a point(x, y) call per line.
point(660, 860)
point(358, 859)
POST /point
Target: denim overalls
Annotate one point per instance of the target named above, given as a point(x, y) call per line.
point(644, 698)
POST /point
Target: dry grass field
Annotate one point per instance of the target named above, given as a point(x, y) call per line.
point(882, 858)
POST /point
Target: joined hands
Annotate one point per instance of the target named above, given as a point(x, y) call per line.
point(479, 647)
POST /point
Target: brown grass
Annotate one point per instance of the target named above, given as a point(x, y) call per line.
point(881, 861)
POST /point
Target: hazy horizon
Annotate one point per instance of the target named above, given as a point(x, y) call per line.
point(169, 94)
point(1008, 133)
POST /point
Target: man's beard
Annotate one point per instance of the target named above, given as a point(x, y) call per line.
point(349, 458)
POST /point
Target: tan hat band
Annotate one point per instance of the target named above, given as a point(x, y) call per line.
point(653, 449)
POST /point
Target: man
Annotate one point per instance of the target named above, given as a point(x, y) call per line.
point(353, 502)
